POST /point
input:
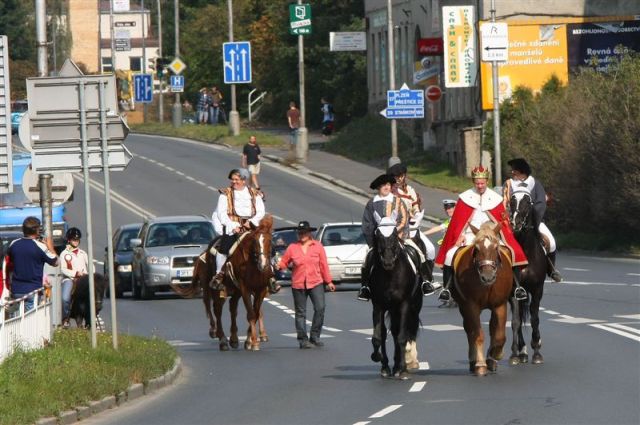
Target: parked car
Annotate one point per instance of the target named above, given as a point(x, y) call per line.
point(122, 257)
point(346, 250)
point(165, 251)
point(281, 238)
point(6, 237)
point(18, 109)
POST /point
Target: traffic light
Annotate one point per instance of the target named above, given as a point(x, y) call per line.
point(159, 64)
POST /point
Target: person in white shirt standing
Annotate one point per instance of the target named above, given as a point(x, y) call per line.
point(74, 264)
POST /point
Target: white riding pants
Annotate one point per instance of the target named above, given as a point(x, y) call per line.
point(220, 260)
point(542, 228)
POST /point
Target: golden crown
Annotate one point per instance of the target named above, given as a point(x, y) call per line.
point(480, 172)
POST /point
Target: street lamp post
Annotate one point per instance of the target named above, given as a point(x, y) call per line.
point(392, 82)
point(234, 116)
point(302, 144)
point(161, 96)
point(177, 106)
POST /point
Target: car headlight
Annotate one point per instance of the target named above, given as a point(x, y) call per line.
point(124, 268)
point(57, 232)
point(157, 260)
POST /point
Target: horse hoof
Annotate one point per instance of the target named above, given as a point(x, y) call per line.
point(247, 345)
point(481, 371)
point(514, 360)
point(385, 372)
point(492, 365)
point(376, 356)
point(537, 359)
point(234, 344)
point(212, 333)
point(224, 346)
point(524, 358)
point(413, 366)
point(255, 347)
point(264, 339)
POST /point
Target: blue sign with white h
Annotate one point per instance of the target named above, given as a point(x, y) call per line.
point(237, 62)
point(143, 84)
point(177, 83)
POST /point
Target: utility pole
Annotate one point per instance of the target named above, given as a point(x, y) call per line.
point(496, 111)
point(44, 180)
point(234, 117)
point(302, 146)
point(145, 109)
point(392, 82)
point(161, 97)
point(177, 106)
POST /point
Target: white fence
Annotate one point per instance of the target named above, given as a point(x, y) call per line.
point(28, 330)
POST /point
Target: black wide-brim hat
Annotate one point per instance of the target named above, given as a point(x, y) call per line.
point(397, 169)
point(304, 226)
point(520, 165)
point(381, 180)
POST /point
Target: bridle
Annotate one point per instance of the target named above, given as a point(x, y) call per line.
point(526, 223)
point(493, 264)
point(259, 253)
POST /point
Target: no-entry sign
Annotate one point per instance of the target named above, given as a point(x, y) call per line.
point(433, 93)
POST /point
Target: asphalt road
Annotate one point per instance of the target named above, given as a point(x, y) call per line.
point(590, 327)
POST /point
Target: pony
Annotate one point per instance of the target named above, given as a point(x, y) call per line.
point(532, 279)
point(483, 279)
point(253, 253)
point(80, 309)
point(396, 294)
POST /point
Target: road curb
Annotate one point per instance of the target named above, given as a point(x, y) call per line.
point(134, 391)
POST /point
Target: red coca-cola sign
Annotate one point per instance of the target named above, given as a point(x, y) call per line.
point(430, 46)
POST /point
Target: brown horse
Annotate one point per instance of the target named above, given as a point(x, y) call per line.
point(203, 272)
point(483, 280)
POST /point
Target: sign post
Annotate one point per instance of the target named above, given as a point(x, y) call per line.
point(6, 159)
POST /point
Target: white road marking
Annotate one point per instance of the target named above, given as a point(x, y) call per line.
point(574, 320)
point(628, 316)
point(119, 199)
point(362, 423)
point(575, 270)
point(292, 335)
point(424, 366)
point(548, 311)
point(633, 274)
point(440, 328)
point(280, 306)
point(624, 327)
point(99, 262)
point(617, 331)
point(417, 386)
point(181, 343)
point(386, 411)
point(573, 282)
point(327, 328)
point(367, 332)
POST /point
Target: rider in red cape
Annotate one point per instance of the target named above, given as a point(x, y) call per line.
point(475, 206)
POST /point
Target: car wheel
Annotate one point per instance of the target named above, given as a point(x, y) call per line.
point(135, 287)
point(146, 292)
point(119, 291)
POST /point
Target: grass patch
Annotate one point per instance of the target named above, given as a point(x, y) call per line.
point(368, 140)
point(208, 133)
point(599, 242)
point(69, 373)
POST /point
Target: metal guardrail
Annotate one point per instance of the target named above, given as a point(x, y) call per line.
point(25, 329)
point(260, 98)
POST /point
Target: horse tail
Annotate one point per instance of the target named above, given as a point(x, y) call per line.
point(195, 286)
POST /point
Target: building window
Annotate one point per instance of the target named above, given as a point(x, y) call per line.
point(383, 63)
point(106, 64)
point(135, 63)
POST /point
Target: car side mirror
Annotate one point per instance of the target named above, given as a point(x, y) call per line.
point(134, 243)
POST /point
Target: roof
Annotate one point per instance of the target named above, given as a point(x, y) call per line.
point(178, 219)
point(131, 226)
point(346, 223)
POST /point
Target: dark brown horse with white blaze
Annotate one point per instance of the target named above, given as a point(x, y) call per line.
point(251, 273)
point(531, 279)
point(483, 280)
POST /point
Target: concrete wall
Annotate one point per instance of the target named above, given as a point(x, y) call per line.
point(83, 25)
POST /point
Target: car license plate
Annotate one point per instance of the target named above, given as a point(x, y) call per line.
point(185, 273)
point(352, 270)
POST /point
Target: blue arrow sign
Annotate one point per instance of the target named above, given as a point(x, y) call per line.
point(404, 104)
point(143, 84)
point(177, 83)
point(237, 62)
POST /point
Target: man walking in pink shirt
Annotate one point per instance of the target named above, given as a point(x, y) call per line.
point(309, 274)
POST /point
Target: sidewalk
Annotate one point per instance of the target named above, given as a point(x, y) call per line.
point(352, 175)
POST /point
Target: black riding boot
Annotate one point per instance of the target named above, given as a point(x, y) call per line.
point(428, 287)
point(552, 272)
point(519, 293)
point(364, 294)
point(447, 278)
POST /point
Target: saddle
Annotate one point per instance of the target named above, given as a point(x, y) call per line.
point(414, 253)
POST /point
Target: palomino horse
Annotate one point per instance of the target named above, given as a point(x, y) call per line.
point(483, 280)
point(394, 292)
point(250, 250)
point(532, 279)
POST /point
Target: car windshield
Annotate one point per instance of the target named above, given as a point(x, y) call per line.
point(282, 239)
point(164, 234)
point(125, 237)
point(348, 234)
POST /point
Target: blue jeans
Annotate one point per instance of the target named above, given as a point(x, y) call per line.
point(28, 303)
point(213, 112)
point(67, 286)
point(300, 302)
point(293, 136)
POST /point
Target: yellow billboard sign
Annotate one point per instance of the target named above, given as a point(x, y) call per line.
point(536, 52)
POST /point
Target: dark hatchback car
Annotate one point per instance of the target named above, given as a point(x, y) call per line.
point(122, 257)
point(280, 240)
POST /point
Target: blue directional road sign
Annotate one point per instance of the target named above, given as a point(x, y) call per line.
point(143, 84)
point(237, 62)
point(177, 83)
point(404, 103)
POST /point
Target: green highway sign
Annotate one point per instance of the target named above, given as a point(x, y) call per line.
point(300, 19)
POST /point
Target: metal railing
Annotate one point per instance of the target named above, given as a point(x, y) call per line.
point(260, 98)
point(25, 329)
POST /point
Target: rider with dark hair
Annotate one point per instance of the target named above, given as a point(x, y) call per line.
point(383, 204)
point(522, 181)
point(74, 264)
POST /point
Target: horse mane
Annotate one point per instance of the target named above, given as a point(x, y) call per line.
point(488, 230)
point(266, 224)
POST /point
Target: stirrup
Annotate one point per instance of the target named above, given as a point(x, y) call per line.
point(216, 282)
point(445, 295)
point(428, 288)
point(556, 276)
point(364, 294)
point(520, 294)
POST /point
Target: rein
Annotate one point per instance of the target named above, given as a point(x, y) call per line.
point(494, 264)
